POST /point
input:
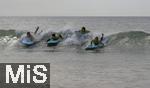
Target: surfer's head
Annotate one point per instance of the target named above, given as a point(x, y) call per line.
point(83, 29)
point(53, 35)
point(96, 38)
point(102, 34)
point(28, 34)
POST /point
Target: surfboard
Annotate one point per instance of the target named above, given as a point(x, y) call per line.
point(93, 47)
point(27, 42)
point(53, 42)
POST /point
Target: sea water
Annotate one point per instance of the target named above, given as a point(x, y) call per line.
point(123, 63)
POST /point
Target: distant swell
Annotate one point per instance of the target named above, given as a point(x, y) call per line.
point(130, 39)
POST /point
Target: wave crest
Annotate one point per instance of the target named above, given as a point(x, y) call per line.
point(130, 39)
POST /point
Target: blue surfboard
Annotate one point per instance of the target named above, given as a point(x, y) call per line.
point(101, 45)
point(27, 42)
point(93, 47)
point(53, 42)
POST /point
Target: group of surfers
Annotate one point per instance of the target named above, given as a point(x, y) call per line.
point(58, 36)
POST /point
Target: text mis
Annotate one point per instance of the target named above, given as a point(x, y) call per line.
point(20, 73)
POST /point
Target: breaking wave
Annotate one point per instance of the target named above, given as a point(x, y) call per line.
point(131, 39)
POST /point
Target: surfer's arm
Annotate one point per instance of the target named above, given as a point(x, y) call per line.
point(36, 30)
point(92, 42)
point(48, 40)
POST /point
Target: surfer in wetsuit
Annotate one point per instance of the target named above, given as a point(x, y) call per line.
point(56, 37)
point(95, 41)
point(29, 36)
point(83, 30)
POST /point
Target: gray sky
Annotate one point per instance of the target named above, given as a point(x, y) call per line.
point(74, 7)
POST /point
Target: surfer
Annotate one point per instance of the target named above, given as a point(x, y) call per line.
point(83, 30)
point(95, 41)
point(29, 36)
point(56, 37)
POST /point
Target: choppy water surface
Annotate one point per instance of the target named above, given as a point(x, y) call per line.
point(123, 63)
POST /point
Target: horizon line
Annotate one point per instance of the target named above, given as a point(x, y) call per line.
point(72, 16)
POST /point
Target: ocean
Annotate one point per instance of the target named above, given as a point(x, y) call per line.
point(123, 63)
